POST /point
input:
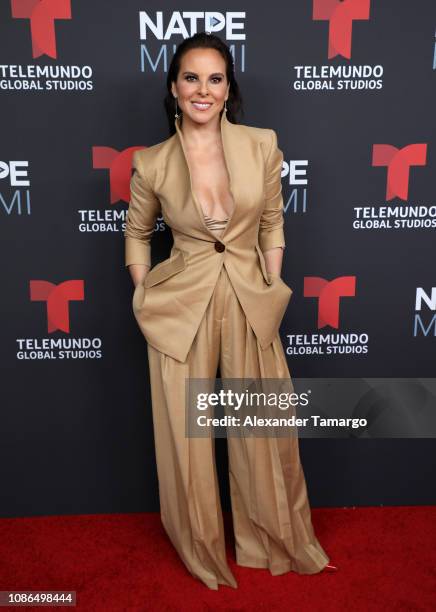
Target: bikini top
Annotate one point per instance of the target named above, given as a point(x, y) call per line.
point(215, 224)
point(218, 224)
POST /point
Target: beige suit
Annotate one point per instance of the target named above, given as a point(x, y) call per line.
point(172, 301)
point(212, 303)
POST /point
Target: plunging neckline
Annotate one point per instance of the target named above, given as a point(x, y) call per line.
point(223, 127)
point(206, 216)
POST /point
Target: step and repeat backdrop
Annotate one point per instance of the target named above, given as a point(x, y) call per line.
point(350, 89)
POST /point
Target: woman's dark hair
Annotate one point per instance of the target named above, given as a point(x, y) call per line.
point(201, 40)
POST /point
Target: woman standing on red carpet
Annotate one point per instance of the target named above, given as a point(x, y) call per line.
point(217, 301)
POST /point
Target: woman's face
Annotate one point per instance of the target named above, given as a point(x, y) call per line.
point(201, 87)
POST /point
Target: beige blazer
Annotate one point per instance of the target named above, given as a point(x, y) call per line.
point(172, 300)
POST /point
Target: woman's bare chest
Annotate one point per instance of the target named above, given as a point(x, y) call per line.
point(211, 183)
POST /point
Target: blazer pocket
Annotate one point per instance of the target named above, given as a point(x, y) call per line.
point(163, 270)
point(266, 276)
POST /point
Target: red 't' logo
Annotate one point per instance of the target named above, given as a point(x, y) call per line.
point(42, 14)
point(120, 170)
point(329, 294)
point(57, 298)
point(398, 162)
point(340, 16)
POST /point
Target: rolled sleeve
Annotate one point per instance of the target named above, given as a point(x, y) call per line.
point(271, 227)
point(144, 208)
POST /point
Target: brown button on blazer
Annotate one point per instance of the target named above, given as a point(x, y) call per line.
point(172, 300)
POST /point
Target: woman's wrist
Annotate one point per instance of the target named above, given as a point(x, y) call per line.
point(138, 272)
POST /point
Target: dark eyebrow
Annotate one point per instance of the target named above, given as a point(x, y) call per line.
point(194, 73)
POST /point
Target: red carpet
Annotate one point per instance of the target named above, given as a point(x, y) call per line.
point(386, 558)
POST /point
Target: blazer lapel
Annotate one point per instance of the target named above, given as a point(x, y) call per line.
point(226, 137)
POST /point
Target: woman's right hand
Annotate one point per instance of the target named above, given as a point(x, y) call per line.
point(138, 272)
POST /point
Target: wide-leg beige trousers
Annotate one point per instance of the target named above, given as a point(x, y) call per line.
point(270, 507)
